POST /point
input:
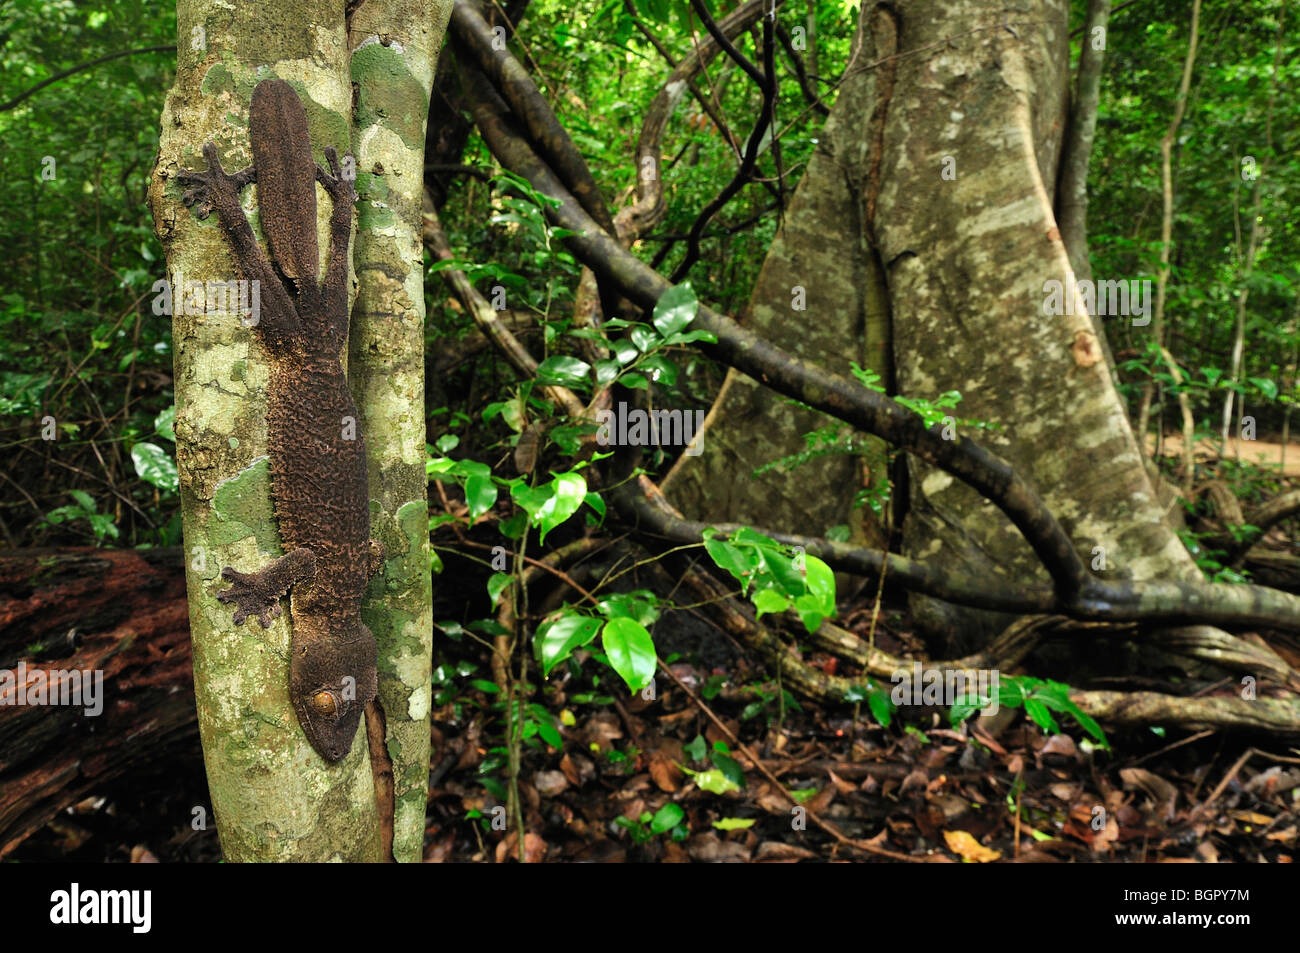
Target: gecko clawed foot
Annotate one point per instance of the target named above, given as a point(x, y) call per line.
point(338, 186)
point(251, 596)
point(205, 189)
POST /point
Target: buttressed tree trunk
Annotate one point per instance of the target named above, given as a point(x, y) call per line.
point(273, 796)
point(926, 219)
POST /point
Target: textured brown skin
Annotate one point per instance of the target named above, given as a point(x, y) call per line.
point(318, 477)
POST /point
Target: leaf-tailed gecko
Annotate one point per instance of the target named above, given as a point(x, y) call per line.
point(318, 457)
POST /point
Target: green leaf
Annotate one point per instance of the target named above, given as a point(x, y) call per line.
point(568, 492)
point(639, 605)
point(480, 493)
point(1267, 387)
point(882, 706)
point(769, 600)
point(561, 369)
point(713, 781)
point(593, 499)
point(1010, 694)
point(483, 685)
point(962, 708)
point(631, 651)
point(625, 351)
point(697, 749)
point(730, 767)
point(165, 422)
point(740, 563)
point(606, 371)
point(675, 309)
point(1036, 710)
point(532, 498)
point(735, 823)
point(644, 339)
point(1088, 724)
point(558, 638)
point(810, 611)
point(497, 583)
point(666, 818)
point(155, 465)
point(821, 584)
point(545, 722)
point(661, 370)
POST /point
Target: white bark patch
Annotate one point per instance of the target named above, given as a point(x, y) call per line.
point(936, 483)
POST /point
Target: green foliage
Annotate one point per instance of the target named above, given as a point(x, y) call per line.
point(669, 819)
point(724, 773)
point(78, 340)
point(101, 525)
point(781, 577)
point(1039, 698)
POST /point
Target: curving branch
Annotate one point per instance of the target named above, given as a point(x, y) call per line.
point(801, 73)
point(650, 206)
point(517, 88)
point(32, 91)
point(767, 83)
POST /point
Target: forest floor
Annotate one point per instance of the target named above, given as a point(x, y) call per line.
point(1278, 457)
point(637, 780)
point(625, 778)
point(919, 788)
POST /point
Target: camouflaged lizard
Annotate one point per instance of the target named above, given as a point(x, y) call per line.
point(318, 457)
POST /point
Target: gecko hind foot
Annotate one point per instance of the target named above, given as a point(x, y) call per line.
point(251, 596)
point(259, 593)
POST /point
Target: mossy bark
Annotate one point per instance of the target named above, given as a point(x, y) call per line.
point(393, 67)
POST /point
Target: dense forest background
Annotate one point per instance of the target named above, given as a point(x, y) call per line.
point(81, 344)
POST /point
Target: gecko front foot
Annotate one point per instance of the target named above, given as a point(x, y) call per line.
point(213, 186)
point(336, 185)
point(259, 593)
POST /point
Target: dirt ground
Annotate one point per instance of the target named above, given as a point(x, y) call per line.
point(1259, 452)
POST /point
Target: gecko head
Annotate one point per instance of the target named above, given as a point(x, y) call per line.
point(331, 682)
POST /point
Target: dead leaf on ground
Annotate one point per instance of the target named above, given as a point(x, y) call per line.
point(775, 852)
point(968, 848)
point(708, 848)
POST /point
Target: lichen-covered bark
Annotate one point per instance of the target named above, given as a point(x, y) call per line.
point(273, 796)
point(395, 46)
point(969, 258)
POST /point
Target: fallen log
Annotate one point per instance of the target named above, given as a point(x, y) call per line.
point(120, 616)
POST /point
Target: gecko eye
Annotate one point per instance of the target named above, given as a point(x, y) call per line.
point(323, 702)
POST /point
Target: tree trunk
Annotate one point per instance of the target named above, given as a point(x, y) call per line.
point(927, 211)
point(273, 796)
point(386, 359)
